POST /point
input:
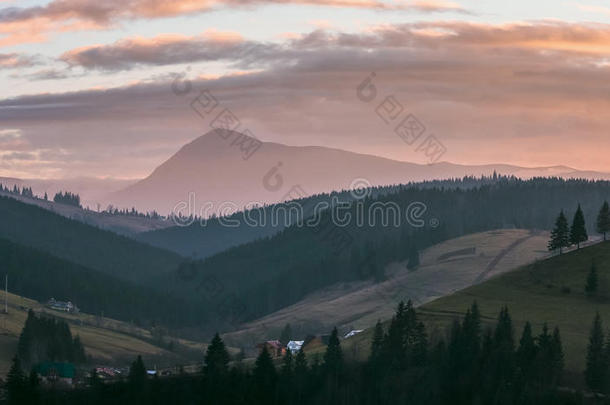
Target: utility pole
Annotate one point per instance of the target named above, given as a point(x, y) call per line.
point(6, 293)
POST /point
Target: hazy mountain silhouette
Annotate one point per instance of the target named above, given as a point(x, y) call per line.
point(214, 169)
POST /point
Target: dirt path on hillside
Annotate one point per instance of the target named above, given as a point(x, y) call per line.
point(492, 265)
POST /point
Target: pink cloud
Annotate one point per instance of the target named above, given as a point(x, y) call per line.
point(21, 25)
point(165, 49)
point(531, 94)
point(14, 60)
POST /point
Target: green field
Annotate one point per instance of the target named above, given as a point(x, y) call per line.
point(550, 291)
point(107, 341)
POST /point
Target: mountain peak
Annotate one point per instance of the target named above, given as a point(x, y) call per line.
point(220, 136)
point(230, 167)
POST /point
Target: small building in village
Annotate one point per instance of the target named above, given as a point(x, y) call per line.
point(53, 372)
point(353, 333)
point(64, 306)
point(295, 345)
point(274, 347)
point(109, 373)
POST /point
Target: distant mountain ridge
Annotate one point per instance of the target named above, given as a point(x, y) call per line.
point(91, 190)
point(121, 224)
point(213, 170)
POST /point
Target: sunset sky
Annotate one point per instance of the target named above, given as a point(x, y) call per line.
point(86, 85)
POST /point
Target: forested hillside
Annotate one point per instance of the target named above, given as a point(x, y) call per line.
point(203, 238)
point(40, 276)
point(83, 244)
point(257, 278)
point(260, 277)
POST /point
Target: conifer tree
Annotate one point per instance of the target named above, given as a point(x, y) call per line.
point(578, 231)
point(603, 220)
point(376, 344)
point(33, 387)
point(560, 235)
point(286, 335)
point(503, 349)
point(333, 357)
point(596, 367)
point(418, 349)
point(606, 385)
point(503, 334)
point(471, 327)
point(592, 281)
point(137, 374)
point(300, 363)
point(265, 378)
point(526, 353)
point(300, 374)
point(557, 356)
point(287, 365)
point(216, 359)
point(333, 366)
point(544, 357)
point(393, 348)
point(286, 377)
point(15, 383)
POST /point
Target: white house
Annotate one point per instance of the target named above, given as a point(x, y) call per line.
point(62, 306)
point(353, 333)
point(295, 345)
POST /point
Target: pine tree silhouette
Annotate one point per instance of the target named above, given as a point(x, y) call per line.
point(603, 220)
point(596, 368)
point(592, 281)
point(578, 231)
point(560, 235)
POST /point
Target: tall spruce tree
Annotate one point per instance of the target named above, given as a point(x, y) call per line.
point(526, 353)
point(560, 235)
point(603, 220)
point(300, 364)
point(286, 335)
point(216, 359)
point(418, 349)
point(16, 383)
point(578, 231)
point(549, 358)
point(393, 348)
point(301, 371)
point(592, 281)
point(333, 357)
point(265, 378)
point(503, 354)
point(471, 327)
point(606, 388)
point(287, 365)
point(286, 378)
point(596, 367)
point(557, 356)
point(376, 344)
point(137, 374)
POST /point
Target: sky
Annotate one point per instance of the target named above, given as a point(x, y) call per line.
point(95, 89)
